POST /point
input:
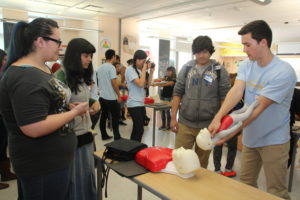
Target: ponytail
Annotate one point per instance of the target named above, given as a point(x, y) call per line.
point(23, 36)
point(18, 45)
point(135, 68)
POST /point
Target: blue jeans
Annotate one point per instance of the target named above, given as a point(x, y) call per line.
point(46, 187)
point(165, 114)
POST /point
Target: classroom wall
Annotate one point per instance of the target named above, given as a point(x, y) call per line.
point(129, 29)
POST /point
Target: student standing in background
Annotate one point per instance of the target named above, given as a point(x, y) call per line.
point(109, 95)
point(166, 95)
point(136, 79)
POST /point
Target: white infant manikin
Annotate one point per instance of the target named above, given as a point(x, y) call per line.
point(229, 124)
point(185, 162)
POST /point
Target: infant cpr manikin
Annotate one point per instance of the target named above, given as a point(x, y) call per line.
point(229, 124)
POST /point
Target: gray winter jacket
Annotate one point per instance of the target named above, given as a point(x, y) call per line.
point(201, 93)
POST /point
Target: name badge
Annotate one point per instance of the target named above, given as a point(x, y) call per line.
point(208, 78)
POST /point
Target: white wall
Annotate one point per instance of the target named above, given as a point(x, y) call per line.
point(295, 63)
point(109, 27)
point(130, 27)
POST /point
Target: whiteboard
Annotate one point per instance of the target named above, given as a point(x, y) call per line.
point(295, 62)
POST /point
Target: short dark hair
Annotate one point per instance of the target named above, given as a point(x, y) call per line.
point(259, 30)
point(118, 57)
point(173, 70)
point(109, 54)
point(201, 43)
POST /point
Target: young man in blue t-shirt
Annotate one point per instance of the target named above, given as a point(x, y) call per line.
point(266, 132)
point(109, 95)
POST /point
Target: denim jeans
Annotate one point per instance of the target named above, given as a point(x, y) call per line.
point(46, 187)
point(165, 114)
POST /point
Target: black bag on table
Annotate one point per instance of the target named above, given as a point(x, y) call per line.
point(122, 150)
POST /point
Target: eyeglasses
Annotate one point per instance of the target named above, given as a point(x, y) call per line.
point(52, 39)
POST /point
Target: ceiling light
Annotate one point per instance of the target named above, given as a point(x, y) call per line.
point(262, 2)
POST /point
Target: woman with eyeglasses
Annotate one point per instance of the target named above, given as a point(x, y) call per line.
point(34, 107)
point(77, 73)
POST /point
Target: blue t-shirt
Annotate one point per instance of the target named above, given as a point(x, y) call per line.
point(106, 72)
point(276, 81)
point(136, 94)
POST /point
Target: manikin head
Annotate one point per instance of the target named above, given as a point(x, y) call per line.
point(185, 160)
point(204, 140)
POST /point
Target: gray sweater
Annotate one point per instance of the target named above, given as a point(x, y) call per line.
point(82, 124)
point(202, 90)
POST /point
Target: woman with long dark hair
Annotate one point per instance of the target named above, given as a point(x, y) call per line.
point(34, 107)
point(77, 72)
point(135, 76)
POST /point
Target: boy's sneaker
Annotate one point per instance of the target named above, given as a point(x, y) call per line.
point(162, 128)
point(229, 174)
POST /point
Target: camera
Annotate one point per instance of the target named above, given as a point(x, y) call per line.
point(152, 63)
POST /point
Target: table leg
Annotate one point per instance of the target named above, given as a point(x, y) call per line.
point(99, 179)
point(293, 163)
point(140, 193)
point(154, 126)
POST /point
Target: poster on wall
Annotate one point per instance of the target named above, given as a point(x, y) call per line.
point(105, 44)
point(163, 57)
point(129, 44)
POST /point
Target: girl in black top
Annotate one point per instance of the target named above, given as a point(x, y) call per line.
point(5, 172)
point(34, 107)
point(166, 95)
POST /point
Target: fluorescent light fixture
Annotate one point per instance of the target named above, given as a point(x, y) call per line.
point(262, 2)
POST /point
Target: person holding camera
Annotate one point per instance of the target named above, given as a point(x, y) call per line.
point(135, 76)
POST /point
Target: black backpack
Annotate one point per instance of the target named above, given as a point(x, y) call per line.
point(120, 150)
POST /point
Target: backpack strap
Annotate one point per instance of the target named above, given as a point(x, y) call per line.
point(188, 68)
point(217, 67)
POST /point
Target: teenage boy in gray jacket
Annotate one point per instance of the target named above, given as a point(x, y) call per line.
point(200, 88)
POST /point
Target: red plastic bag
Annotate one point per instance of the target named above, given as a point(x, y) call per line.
point(154, 158)
point(148, 100)
point(124, 97)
